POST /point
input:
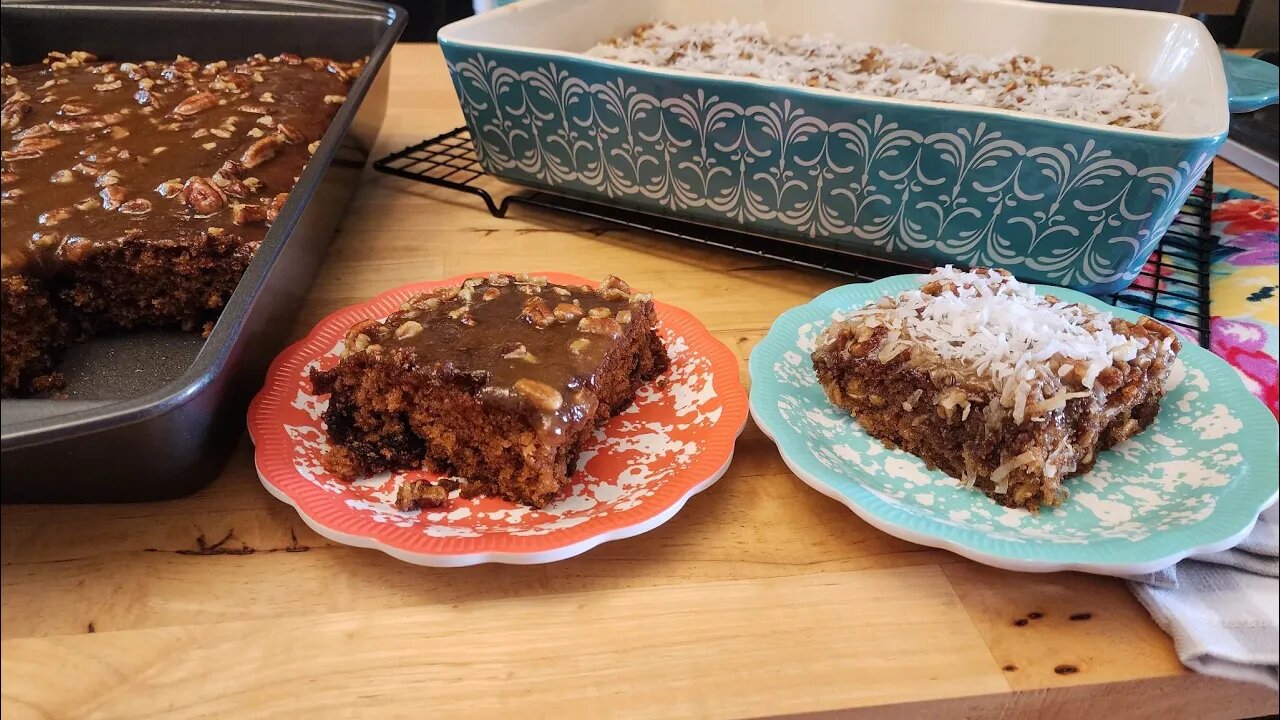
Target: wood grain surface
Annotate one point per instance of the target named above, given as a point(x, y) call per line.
point(760, 598)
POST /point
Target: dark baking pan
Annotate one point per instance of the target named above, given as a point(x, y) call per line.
point(154, 415)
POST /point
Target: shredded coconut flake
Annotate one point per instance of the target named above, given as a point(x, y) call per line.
point(1105, 95)
point(1001, 329)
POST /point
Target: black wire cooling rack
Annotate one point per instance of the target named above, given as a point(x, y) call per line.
point(1173, 287)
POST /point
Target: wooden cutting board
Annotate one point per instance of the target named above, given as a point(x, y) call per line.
point(760, 598)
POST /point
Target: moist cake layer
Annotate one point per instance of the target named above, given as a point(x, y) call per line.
point(136, 193)
point(502, 380)
point(1007, 390)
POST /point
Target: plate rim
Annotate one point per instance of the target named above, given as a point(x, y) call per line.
point(932, 533)
point(731, 393)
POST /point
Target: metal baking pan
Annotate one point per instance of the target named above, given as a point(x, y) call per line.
point(154, 415)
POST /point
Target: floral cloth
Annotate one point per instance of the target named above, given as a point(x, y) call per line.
point(1245, 298)
point(1245, 301)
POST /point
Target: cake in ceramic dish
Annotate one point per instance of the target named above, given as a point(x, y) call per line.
point(1105, 95)
point(1082, 202)
point(502, 380)
point(1005, 389)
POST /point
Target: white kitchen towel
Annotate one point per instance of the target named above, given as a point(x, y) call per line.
point(1222, 609)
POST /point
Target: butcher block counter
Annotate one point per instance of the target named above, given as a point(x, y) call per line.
point(760, 598)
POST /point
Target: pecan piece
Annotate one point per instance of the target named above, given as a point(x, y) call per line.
point(464, 316)
point(567, 312)
point(55, 216)
point(77, 123)
point(291, 135)
point(202, 196)
point(234, 188)
point(197, 103)
point(228, 179)
point(276, 205)
point(537, 313)
point(408, 329)
point(518, 352)
point(134, 72)
point(601, 326)
point(20, 154)
point(242, 214)
point(169, 188)
point(112, 197)
point(35, 131)
point(613, 288)
point(231, 82)
point(539, 394)
point(12, 114)
point(262, 151)
point(419, 494)
point(40, 144)
point(231, 169)
point(136, 206)
point(423, 301)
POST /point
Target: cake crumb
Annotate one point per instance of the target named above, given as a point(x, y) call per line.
point(418, 495)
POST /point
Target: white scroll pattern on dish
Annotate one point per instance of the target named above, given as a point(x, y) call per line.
point(971, 194)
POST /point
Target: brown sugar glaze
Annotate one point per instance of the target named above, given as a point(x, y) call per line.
point(94, 152)
point(526, 345)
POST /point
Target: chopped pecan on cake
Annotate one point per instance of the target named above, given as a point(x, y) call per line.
point(136, 193)
point(501, 380)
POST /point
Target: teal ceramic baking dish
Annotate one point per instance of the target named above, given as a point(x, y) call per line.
point(1055, 201)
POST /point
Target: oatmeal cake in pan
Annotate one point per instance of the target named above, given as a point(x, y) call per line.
point(502, 380)
point(1010, 391)
point(1106, 95)
point(136, 193)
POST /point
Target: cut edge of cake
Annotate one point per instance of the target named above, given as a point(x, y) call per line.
point(1006, 390)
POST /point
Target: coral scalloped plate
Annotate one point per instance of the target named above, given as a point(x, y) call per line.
point(645, 463)
point(1193, 482)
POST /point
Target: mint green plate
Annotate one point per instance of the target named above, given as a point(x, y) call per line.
point(1193, 482)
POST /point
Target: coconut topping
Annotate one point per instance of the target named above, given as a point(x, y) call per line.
point(1105, 95)
point(1037, 351)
